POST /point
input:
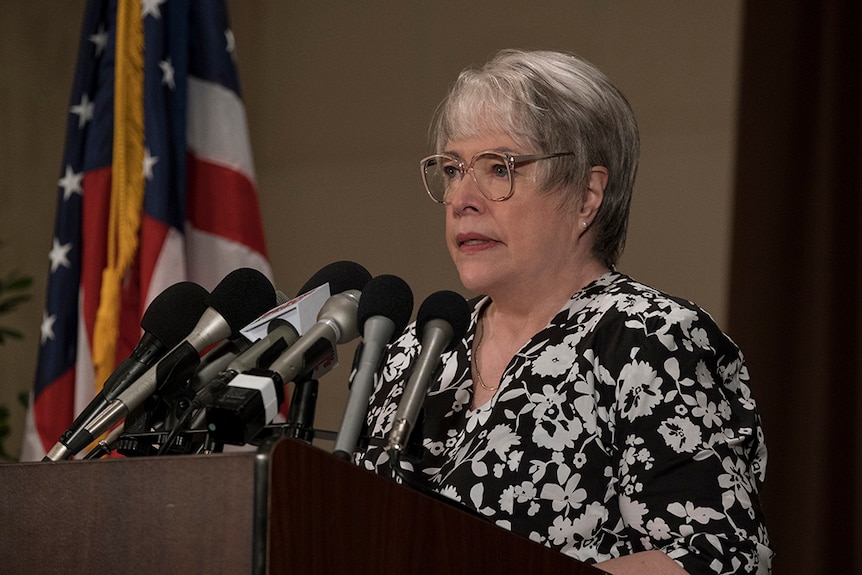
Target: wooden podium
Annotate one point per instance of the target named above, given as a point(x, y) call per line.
point(289, 508)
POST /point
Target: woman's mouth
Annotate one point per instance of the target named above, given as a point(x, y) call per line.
point(474, 242)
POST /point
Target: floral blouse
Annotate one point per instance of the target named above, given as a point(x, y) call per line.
point(626, 424)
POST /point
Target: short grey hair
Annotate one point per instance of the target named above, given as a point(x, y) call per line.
point(552, 102)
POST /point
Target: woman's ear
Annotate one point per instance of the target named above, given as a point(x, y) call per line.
point(593, 195)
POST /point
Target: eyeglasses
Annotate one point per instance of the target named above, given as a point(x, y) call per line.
point(493, 173)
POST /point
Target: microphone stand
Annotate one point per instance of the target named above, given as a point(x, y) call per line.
point(182, 408)
point(300, 416)
point(136, 438)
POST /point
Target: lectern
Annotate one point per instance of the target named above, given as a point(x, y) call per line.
point(287, 508)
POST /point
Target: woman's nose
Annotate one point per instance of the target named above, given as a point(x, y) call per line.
point(465, 192)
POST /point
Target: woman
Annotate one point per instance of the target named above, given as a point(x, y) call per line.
point(583, 409)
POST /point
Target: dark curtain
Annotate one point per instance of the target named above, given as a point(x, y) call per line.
point(796, 294)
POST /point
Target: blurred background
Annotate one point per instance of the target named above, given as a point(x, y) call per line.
point(339, 97)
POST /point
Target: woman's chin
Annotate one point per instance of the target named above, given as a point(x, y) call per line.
point(476, 279)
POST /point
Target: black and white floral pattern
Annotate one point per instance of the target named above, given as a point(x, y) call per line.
point(626, 424)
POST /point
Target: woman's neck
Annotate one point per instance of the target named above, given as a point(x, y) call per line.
point(523, 312)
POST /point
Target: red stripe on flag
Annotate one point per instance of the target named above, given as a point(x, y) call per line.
point(224, 202)
point(153, 234)
point(54, 408)
point(131, 310)
point(94, 220)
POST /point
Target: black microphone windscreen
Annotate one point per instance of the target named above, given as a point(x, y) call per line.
point(448, 306)
point(243, 295)
point(174, 312)
point(341, 276)
point(388, 296)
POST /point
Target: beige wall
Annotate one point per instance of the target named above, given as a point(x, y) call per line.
point(339, 96)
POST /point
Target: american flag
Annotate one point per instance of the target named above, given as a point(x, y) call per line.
point(157, 186)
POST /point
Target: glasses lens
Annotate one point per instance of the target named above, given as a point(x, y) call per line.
point(491, 171)
point(440, 173)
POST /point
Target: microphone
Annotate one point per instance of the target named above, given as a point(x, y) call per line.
point(241, 400)
point(171, 315)
point(236, 417)
point(241, 296)
point(341, 276)
point(219, 357)
point(384, 310)
point(280, 335)
point(312, 354)
point(442, 321)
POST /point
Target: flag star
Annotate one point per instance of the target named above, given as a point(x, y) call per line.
point(47, 327)
point(84, 110)
point(149, 162)
point(71, 182)
point(167, 73)
point(59, 255)
point(231, 42)
point(100, 39)
point(151, 8)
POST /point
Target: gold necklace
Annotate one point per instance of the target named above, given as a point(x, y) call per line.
point(480, 331)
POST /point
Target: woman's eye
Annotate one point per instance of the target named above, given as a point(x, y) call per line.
point(451, 171)
point(499, 171)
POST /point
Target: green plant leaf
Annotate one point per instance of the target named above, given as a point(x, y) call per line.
point(10, 303)
point(6, 332)
point(13, 282)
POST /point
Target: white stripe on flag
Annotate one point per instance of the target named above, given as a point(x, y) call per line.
point(217, 127)
point(170, 265)
point(211, 257)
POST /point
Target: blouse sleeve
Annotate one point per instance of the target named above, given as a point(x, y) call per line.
point(689, 448)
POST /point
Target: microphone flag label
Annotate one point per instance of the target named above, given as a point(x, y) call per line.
point(301, 312)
